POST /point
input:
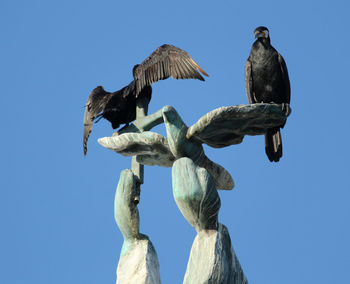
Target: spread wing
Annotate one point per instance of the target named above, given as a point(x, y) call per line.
point(94, 106)
point(285, 77)
point(166, 61)
point(249, 82)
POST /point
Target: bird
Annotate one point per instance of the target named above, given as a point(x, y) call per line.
point(267, 81)
point(120, 107)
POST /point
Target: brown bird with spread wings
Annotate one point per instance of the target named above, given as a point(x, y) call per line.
point(120, 107)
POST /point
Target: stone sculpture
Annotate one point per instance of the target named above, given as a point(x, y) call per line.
point(138, 259)
point(195, 180)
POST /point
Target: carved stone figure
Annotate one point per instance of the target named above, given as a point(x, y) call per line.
point(195, 179)
point(138, 259)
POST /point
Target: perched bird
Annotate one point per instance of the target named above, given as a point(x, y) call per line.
point(267, 81)
point(120, 107)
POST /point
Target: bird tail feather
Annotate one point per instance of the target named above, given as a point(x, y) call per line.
point(88, 120)
point(273, 144)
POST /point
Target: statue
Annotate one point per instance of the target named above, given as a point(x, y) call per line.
point(195, 181)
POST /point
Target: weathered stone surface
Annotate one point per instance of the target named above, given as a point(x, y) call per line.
point(139, 265)
point(126, 198)
point(213, 260)
point(195, 194)
point(151, 148)
point(227, 126)
point(222, 178)
point(138, 259)
point(143, 124)
point(180, 146)
point(176, 131)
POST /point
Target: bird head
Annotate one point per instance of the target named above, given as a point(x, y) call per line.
point(262, 32)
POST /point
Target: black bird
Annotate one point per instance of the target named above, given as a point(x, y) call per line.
point(120, 107)
point(267, 81)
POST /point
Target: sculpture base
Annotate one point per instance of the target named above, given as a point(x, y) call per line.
point(140, 264)
point(213, 260)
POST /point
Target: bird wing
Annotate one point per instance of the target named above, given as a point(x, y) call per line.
point(249, 82)
point(94, 106)
point(166, 61)
point(285, 76)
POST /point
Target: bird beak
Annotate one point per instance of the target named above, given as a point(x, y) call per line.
point(259, 34)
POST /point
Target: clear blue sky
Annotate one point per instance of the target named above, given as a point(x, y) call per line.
point(289, 222)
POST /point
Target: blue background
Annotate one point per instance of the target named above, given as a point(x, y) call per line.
point(289, 222)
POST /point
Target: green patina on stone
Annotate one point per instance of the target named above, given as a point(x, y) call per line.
point(195, 182)
point(138, 261)
point(227, 126)
point(195, 194)
point(151, 148)
point(176, 131)
point(126, 213)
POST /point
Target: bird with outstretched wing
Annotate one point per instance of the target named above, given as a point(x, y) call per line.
point(120, 107)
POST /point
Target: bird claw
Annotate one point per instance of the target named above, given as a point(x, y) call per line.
point(286, 108)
